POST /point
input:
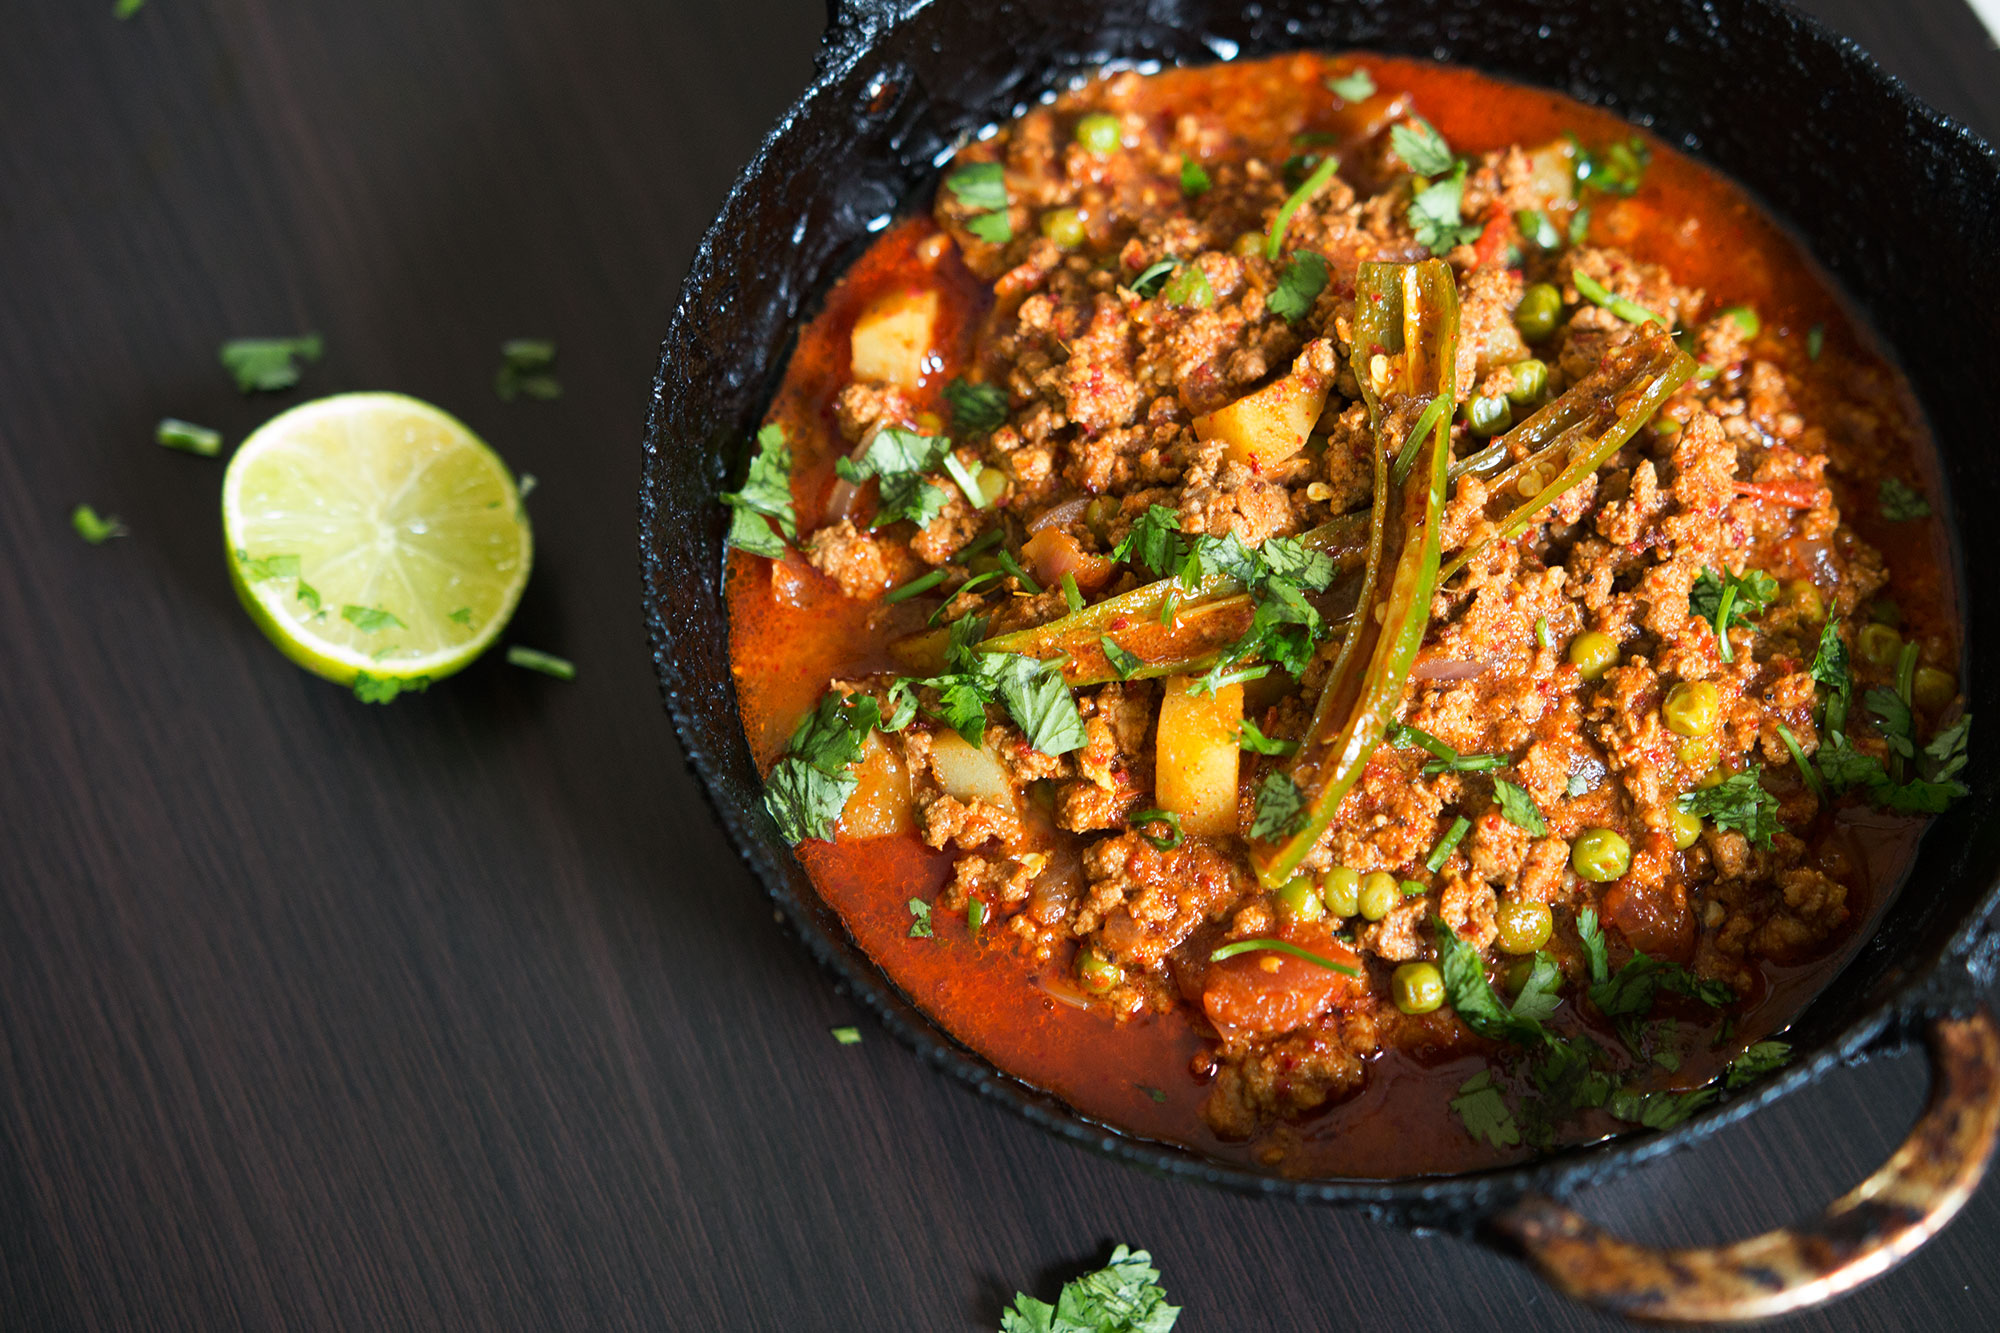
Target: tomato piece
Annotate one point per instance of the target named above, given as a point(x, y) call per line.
point(1052, 553)
point(1264, 993)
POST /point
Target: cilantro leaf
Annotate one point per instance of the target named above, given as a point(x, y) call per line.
point(920, 919)
point(1843, 768)
point(979, 185)
point(1541, 993)
point(94, 527)
point(1250, 738)
point(1657, 1110)
point(268, 567)
point(1435, 215)
point(1893, 719)
point(807, 789)
point(1358, 85)
point(524, 365)
point(125, 9)
point(1518, 808)
point(1149, 279)
point(1901, 501)
point(1484, 1111)
point(1298, 286)
point(1755, 1062)
point(1038, 699)
point(1154, 541)
point(1194, 178)
point(1226, 556)
point(976, 409)
point(268, 364)
point(899, 459)
point(848, 1036)
point(993, 227)
point(1592, 936)
point(1829, 664)
point(310, 596)
point(370, 619)
point(1616, 168)
point(1281, 808)
point(1739, 802)
point(1292, 560)
point(1122, 662)
point(1730, 599)
point(1634, 987)
point(1122, 1297)
point(1421, 147)
point(766, 494)
point(382, 689)
point(1473, 996)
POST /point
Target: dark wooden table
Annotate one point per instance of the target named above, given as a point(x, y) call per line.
point(461, 1013)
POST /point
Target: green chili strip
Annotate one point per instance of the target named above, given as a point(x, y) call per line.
point(1426, 422)
point(1604, 405)
point(914, 586)
point(1228, 951)
point(1200, 620)
point(1598, 294)
point(1806, 770)
point(1312, 185)
point(1411, 309)
point(1447, 844)
point(1167, 817)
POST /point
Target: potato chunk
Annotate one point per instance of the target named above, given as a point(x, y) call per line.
point(880, 804)
point(1196, 752)
point(893, 339)
point(1265, 428)
point(969, 772)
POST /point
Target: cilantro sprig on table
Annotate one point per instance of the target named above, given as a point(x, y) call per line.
point(1122, 1297)
point(266, 365)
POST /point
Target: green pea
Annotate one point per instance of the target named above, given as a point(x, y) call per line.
point(1746, 320)
point(1933, 688)
point(1299, 900)
point(1099, 513)
point(1379, 894)
point(1600, 855)
point(1096, 972)
point(1879, 645)
point(1064, 226)
point(1531, 381)
point(1100, 133)
point(992, 484)
point(1249, 245)
point(1803, 594)
point(1687, 828)
point(1341, 889)
point(1540, 308)
point(1418, 988)
point(1593, 654)
point(1488, 416)
point(1692, 708)
point(1524, 926)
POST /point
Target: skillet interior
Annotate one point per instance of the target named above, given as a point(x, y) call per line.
point(1901, 205)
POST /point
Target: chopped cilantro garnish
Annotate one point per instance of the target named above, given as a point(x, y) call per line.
point(1518, 808)
point(920, 922)
point(1755, 1062)
point(1541, 993)
point(125, 9)
point(1250, 738)
point(846, 1036)
point(310, 596)
point(1167, 841)
point(188, 437)
point(1631, 990)
point(976, 409)
point(1616, 168)
point(1738, 802)
point(1122, 1297)
point(524, 368)
point(1435, 215)
point(992, 227)
point(808, 787)
point(766, 494)
point(94, 527)
point(1154, 541)
point(1194, 178)
point(1537, 230)
point(268, 364)
point(1901, 501)
point(1154, 1093)
point(967, 479)
point(1447, 844)
point(1122, 662)
point(1598, 294)
point(1281, 808)
point(899, 459)
point(268, 567)
point(1657, 1110)
point(1594, 950)
point(383, 689)
point(1473, 996)
point(1038, 699)
point(370, 619)
point(1421, 147)
point(1815, 341)
point(1484, 1111)
point(1446, 760)
point(1579, 225)
point(1298, 287)
point(1357, 85)
point(1730, 599)
point(1072, 597)
point(983, 187)
point(1149, 279)
point(546, 663)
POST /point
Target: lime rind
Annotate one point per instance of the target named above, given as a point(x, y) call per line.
point(372, 532)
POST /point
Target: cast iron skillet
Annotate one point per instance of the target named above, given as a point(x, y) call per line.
point(1901, 204)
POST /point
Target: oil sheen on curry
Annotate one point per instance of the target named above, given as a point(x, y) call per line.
point(1346, 614)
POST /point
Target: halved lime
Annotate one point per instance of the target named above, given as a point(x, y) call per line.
point(372, 533)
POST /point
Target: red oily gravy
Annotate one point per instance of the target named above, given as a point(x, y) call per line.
point(791, 631)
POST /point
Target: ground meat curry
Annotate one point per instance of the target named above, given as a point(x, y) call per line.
point(1347, 614)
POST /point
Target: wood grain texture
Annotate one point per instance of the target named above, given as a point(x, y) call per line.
point(461, 1013)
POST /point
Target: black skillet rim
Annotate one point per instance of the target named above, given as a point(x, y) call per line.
point(1943, 983)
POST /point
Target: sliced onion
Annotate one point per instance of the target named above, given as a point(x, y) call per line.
point(840, 501)
point(1065, 513)
point(1450, 668)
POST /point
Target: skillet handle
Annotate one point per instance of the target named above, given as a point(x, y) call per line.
point(1870, 1230)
